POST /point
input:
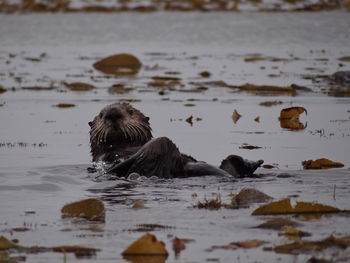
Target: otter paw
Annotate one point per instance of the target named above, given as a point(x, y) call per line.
point(239, 167)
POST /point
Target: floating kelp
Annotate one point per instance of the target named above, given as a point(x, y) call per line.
point(79, 251)
point(249, 147)
point(205, 74)
point(6, 244)
point(309, 246)
point(266, 89)
point(322, 163)
point(289, 118)
point(292, 113)
point(278, 223)
point(292, 125)
point(262, 58)
point(146, 245)
point(236, 116)
point(91, 209)
point(160, 81)
point(178, 245)
point(2, 90)
point(119, 89)
point(65, 105)
point(284, 207)
point(79, 86)
point(250, 195)
point(120, 64)
point(270, 103)
point(344, 59)
point(150, 227)
point(292, 232)
point(38, 88)
point(254, 243)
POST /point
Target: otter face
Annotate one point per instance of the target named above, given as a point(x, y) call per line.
point(116, 127)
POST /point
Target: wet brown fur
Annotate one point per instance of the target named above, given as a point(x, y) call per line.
point(119, 129)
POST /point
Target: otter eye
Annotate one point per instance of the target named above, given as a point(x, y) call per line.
point(130, 111)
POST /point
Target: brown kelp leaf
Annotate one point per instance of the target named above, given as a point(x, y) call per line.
point(310, 217)
point(77, 250)
point(235, 116)
point(79, 86)
point(268, 166)
point(249, 147)
point(189, 105)
point(284, 207)
point(322, 163)
point(5, 243)
point(249, 244)
point(2, 90)
point(277, 223)
point(296, 247)
point(65, 105)
point(20, 229)
point(291, 231)
point(146, 245)
point(292, 113)
point(254, 58)
point(307, 207)
point(266, 88)
point(294, 125)
point(270, 103)
point(38, 88)
point(145, 259)
point(205, 74)
point(345, 59)
point(120, 64)
point(178, 245)
point(240, 244)
point(347, 4)
point(4, 257)
point(119, 89)
point(251, 195)
point(166, 78)
point(164, 83)
point(261, 58)
point(92, 209)
point(307, 246)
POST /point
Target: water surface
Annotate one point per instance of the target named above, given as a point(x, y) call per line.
point(44, 153)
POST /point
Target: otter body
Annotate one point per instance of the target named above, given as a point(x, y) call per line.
point(121, 135)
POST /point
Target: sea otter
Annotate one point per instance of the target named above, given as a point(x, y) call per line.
point(121, 135)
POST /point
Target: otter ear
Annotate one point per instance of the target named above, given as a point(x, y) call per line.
point(90, 123)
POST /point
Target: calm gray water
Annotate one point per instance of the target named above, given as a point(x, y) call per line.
point(49, 49)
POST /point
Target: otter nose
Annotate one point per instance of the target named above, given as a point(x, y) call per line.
point(113, 115)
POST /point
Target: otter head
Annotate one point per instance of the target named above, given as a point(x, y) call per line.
point(117, 127)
